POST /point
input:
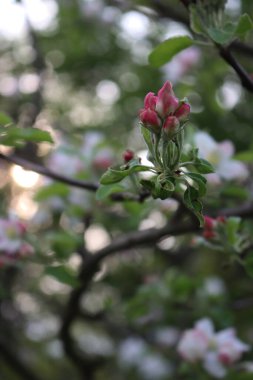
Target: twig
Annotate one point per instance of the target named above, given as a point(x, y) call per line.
point(225, 53)
point(246, 80)
point(124, 242)
point(85, 365)
point(243, 211)
point(85, 185)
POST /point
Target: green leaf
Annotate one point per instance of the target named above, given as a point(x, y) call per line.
point(203, 166)
point(190, 195)
point(114, 175)
point(12, 136)
point(148, 184)
point(195, 21)
point(169, 184)
point(248, 264)
point(64, 243)
point(5, 119)
point(193, 154)
point(164, 187)
point(52, 190)
point(244, 25)
point(222, 36)
point(199, 181)
point(148, 136)
point(164, 52)
point(193, 203)
point(232, 226)
point(105, 190)
point(62, 274)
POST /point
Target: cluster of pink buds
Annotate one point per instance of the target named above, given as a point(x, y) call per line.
point(216, 350)
point(210, 226)
point(164, 111)
point(12, 242)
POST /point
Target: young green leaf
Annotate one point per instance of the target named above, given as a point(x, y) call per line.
point(14, 135)
point(164, 52)
point(193, 203)
point(195, 21)
point(52, 190)
point(199, 182)
point(222, 36)
point(244, 25)
point(147, 135)
point(203, 166)
point(116, 175)
point(248, 264)
point(105, 190)
point(62, 274)
point(232, 226)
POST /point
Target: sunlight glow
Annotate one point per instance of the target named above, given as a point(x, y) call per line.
point(13, 17)
point(24, 178)
point(23, 206)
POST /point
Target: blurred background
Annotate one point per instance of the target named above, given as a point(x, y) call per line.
point(79, 70)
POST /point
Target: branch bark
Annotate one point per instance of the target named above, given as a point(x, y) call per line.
point(85, 185)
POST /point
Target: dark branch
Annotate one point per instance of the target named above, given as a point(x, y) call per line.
point(85, 185)
point(246, 80)
point(48, 173)
point(85, 364)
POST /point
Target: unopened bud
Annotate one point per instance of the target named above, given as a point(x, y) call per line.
point(150, 120)
point(209, 227)
point(150, 101)
point(183, 111)
point(128, 155)
point(209, 223)
point(171, 125)
point(167, 103)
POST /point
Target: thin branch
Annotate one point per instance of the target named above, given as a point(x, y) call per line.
point(246, 80)
point(16, 364)
point(127, 241)
point(243, 211)
point(144, 238)
point(48, 173)
point(225, 53)
point(242, 48)
point(85, 365)
point(85, 185)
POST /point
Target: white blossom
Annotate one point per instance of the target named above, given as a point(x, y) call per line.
point(216, 351)
point(220, 156)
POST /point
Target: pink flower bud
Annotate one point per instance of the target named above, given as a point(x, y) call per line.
point(167, 103)
point(150, 119)
point(128, 155)
point(150, 101)
point(183, 111)
point(209, 223)
point(209, 227)
point(170, 125)
point(208, 234)
point(221, 219)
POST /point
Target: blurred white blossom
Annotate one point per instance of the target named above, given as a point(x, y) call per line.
point(12, 241)
point(220, 156)
point(217, 351)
